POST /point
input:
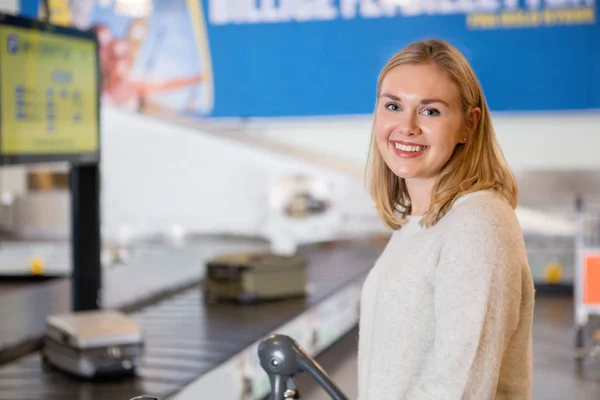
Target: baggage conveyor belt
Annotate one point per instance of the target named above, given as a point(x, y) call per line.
point(186, 338)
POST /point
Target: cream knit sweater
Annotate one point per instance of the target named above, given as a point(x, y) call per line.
point(446, 312)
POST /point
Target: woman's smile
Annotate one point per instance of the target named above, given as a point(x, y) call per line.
point(407, 149)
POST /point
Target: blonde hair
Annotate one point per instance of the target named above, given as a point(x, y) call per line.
point(476, 165)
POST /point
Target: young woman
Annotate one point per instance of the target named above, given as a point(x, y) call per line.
point(446, 312)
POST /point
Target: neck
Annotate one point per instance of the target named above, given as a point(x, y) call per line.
point(419, 191)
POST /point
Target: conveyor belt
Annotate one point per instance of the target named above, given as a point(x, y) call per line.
point(156, 268)
point(186, 338)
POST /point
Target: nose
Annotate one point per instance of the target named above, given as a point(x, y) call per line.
point(408, 124)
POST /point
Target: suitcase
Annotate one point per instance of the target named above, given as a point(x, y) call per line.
point(93, 343)
point(255, 277)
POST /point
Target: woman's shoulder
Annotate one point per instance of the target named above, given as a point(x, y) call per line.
point(484, 225)
point(481, 212)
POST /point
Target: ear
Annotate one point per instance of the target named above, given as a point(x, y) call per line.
point(474, 117)
point(472, 121)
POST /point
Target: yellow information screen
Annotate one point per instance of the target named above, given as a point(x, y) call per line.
point(49, 94)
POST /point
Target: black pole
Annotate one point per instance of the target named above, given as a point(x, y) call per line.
point(579, 204)
point(86, 281)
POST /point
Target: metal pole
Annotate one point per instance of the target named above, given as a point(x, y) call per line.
point(86, 281)
point(580, 318)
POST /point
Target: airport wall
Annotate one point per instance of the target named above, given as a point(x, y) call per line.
point(204, 183)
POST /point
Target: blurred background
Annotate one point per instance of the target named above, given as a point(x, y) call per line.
point(242, 126)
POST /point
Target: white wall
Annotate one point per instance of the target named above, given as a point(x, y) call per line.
point(9, 6)
point(157, 174)
point(569, 141)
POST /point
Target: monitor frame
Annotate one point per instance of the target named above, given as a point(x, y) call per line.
point(73, 158)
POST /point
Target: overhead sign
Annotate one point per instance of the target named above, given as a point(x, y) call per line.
point(315, 57)
point(480, 13)
point(49, 93)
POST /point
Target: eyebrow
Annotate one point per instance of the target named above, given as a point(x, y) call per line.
point(424, 101)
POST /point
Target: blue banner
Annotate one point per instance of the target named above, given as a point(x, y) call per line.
point(272, 58)
point(322, 57)
point(29, 8)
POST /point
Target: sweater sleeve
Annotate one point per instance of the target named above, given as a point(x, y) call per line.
point(477, 293)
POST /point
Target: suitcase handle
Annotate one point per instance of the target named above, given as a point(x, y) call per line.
point(281, 358)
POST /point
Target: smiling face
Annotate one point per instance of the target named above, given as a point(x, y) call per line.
point(429, 101)
point(418, 121)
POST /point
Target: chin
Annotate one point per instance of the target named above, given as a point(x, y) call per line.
point(405, 173)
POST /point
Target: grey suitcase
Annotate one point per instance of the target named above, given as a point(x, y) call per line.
point(255, 277)
point(93, 344)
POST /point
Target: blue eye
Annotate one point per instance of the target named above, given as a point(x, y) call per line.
point(430, 112)
point(392, 106)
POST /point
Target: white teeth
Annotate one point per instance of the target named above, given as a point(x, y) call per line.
point(409, 148)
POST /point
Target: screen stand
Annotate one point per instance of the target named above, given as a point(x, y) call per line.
point(86, 282)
